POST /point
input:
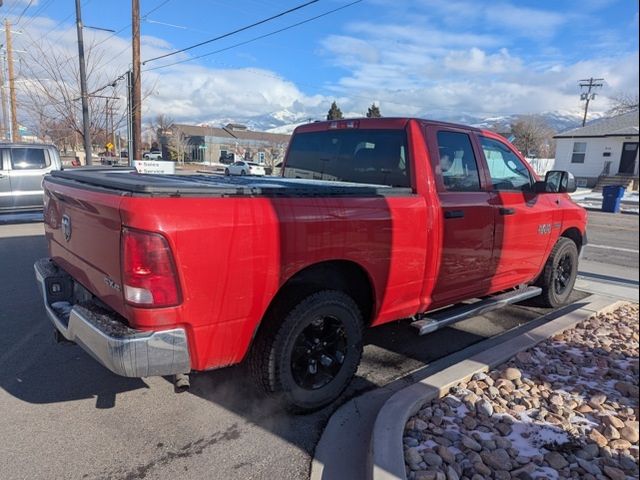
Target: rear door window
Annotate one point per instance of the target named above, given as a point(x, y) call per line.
point(458, 164)
point(29, 158)
point(377, 157)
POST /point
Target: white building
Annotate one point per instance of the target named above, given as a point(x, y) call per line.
point(602, 153)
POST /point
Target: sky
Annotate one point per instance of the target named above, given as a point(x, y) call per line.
point(429, 58)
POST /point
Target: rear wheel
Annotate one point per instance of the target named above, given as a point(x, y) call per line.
point(308, 358)
point(559, 274)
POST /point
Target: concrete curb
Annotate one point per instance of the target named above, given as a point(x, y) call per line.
point(387, 455)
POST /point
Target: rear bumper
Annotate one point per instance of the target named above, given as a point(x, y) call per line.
point(123, 350)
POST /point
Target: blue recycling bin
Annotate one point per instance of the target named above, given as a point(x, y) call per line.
point(611, 198)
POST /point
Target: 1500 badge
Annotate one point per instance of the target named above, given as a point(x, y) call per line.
point(544, 228)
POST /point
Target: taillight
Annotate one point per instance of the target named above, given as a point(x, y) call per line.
point(148, 271)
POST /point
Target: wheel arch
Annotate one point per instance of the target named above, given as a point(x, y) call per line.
point(574, 234)
point(343, 275)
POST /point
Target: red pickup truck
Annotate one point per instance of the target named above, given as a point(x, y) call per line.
point(372, 220)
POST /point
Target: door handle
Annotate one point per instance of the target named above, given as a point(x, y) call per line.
point(454, 214)
point(507, 211)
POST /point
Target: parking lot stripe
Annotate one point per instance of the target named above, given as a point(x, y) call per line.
point(607, 247)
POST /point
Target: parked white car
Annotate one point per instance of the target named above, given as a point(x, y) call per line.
point(152, 155)
point(244, 168)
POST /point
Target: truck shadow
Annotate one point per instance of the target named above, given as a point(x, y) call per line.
point(33, 367)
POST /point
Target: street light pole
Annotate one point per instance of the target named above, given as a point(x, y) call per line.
point(86, 130)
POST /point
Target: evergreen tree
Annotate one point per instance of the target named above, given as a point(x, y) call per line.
point(334, 112)
point(374, 111)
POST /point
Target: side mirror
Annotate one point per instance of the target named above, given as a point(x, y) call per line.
point(557, 181)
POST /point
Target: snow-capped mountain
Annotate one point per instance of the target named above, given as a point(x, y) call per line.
point(285, 121)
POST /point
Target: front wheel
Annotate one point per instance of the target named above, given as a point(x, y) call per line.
point(243, 172)
point(309, 358)
point(226, 172)
point(559, 274)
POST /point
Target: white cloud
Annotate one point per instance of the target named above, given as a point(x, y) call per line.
point(435, 64)
point(186, 92)
point(523, 21)
point(475, 60)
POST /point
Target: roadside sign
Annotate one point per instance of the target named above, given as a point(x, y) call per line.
point(202, 147)
point(154, 166)
point(109, 146)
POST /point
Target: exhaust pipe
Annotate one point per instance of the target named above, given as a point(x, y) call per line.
point(181, 382)
point(59, 338)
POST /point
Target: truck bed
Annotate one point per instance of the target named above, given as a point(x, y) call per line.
point(128, 182)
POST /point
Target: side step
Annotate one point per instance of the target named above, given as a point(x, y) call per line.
point(456, 314)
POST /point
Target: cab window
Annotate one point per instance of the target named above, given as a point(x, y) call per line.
point(505, 167)
point(458, 165)
point(376, 157)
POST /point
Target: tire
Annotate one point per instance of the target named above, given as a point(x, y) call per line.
point(559, 274)
point(242, 172)
point(288, 351)
point(226, 172)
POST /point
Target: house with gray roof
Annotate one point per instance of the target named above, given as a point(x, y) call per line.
point(604, 152)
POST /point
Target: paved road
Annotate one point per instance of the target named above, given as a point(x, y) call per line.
point(64, 416)
point(609, 264)
point(613, 240)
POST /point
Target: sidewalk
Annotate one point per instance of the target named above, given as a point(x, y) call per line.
point(593, 200)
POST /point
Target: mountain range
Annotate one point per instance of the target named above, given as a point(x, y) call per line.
point(284, 121)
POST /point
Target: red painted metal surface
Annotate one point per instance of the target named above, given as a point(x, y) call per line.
point(234, 254)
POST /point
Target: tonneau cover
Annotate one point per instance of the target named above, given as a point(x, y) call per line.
point(128, 180)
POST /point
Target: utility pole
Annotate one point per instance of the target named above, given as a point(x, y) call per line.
point(15, 131)
point(86, 125)
point(5, 117)
point(130, 119)
point(589, 84)
point(136, 93)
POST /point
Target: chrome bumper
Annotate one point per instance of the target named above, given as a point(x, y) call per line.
point(123, 350)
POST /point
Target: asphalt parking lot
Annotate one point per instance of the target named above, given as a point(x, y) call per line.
point(62, 415)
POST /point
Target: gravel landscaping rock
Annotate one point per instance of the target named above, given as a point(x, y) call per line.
point(567, 408)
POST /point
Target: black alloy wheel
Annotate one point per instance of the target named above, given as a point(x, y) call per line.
point(318, 353)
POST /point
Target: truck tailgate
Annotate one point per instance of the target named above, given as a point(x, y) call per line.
point(83, 228)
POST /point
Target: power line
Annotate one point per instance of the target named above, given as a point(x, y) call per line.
point(66, 60)
point(23, 11)
point(242, 29)
point(38, 12)
point(260, 37)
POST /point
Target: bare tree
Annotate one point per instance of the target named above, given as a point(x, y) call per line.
point(623, 103)
point(178, 145)
point(533, 136)
point(50, 94)
point(161, 124)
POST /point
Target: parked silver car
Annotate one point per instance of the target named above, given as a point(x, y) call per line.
point(22, 166)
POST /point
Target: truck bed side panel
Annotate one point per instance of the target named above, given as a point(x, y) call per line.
point(233, 255)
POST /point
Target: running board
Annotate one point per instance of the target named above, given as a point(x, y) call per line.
point(456, 314)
